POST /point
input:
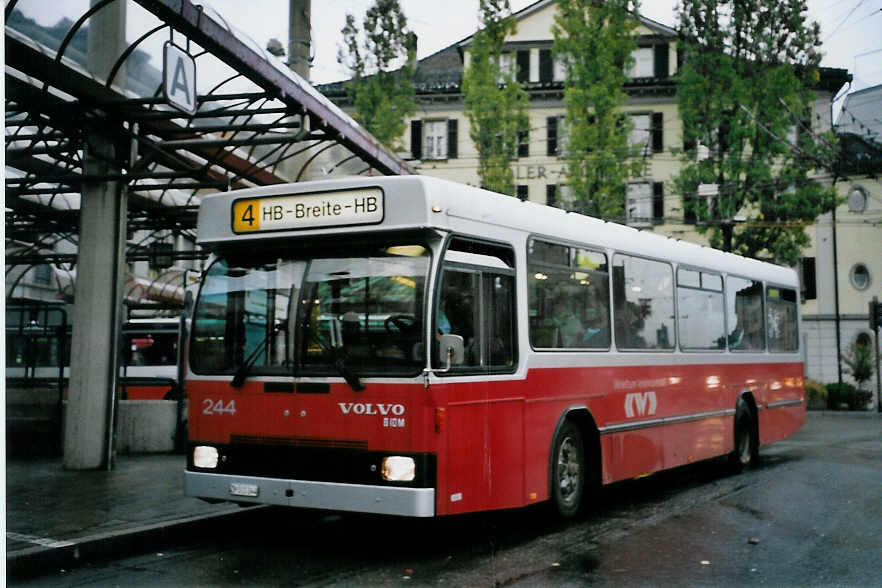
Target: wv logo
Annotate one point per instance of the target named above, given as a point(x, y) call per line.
point(638, 404)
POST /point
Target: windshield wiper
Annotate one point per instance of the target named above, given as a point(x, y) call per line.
point(245, 368)
point(338, 355)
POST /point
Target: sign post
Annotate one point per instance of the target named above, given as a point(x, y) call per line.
point(179, 78)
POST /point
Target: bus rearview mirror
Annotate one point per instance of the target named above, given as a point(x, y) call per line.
point(452, 349)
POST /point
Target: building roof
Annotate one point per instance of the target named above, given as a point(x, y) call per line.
point(441, 72)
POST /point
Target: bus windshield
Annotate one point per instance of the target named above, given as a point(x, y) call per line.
point(310, 314)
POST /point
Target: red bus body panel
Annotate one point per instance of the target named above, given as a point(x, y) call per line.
point(492, 437)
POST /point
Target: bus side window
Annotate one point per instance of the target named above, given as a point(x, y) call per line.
point(744, 310)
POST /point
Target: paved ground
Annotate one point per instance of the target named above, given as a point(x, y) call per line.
point(55, 515)
point(811, 514)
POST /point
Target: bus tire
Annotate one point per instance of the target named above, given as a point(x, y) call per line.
point(746, 451)
point(568, 471)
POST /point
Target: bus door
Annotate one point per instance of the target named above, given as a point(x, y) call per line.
point(484, 466)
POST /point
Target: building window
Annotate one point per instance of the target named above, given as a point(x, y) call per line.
point(860, 276)
point(645, 203)
point(643, 66)
point(647, 130)
point(522, 192)
point(434, 139)
point(650, 61)
point(639, 134)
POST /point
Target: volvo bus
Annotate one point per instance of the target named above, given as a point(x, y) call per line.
point(412, 346)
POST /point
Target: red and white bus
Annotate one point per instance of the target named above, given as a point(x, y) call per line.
point(412, 346)
point(38, 338)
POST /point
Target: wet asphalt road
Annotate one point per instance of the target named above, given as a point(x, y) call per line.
point(809, 515)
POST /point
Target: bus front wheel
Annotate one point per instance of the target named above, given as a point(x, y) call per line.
point(568, 470)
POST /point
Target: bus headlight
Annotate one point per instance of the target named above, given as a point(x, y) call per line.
point(205, 457)
point(397, 468)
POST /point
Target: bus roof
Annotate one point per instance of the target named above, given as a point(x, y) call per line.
point(408, 202)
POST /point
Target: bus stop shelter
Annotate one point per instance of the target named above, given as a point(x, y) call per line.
point(120, 116)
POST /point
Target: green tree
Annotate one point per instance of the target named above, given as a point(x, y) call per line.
point(744, 94)
point(495, 103)
point(381, 62)
point(858, 359)
point(595, 39)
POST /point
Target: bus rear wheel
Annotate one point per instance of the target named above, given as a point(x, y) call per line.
point(746, 452)
point(568, 471)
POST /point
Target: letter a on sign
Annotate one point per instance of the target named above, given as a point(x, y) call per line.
point(179, 78)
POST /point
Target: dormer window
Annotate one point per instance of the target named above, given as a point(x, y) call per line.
point(643, 63)
point(650, 61)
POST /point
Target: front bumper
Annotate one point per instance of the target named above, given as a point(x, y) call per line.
point(388, 500)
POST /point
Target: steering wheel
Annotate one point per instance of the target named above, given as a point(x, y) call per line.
point(401, 322)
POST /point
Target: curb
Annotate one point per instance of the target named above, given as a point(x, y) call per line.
point(845, 413)
point(42, 560)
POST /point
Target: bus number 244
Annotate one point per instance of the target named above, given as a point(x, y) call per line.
point(217, 407)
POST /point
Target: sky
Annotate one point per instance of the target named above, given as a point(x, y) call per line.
point(850, 29)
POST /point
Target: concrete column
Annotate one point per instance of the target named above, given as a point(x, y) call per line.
point(299, 37)
point(97, 297)
point(100, 269)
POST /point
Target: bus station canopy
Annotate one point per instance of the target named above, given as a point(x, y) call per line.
point(256, 122)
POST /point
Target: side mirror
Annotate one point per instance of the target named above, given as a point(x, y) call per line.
point(452, 350)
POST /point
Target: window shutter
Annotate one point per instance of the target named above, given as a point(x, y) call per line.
point(658, 200)
point(452, 138)
point(551, 126)
point(809, 287)
point(689, 204)
point(551, 194)
point(523, 143)
point(546, 66)
point(661, 61)
point(657, 130)
point(689, 145)
point(416, 139)
point(523, 57)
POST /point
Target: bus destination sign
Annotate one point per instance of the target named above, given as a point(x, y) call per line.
point(308, 211)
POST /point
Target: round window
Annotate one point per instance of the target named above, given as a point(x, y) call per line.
point(857, 199)
point(860, 276)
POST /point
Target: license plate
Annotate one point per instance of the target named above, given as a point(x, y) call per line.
point(249, 490)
